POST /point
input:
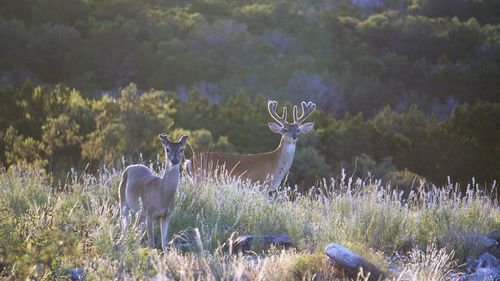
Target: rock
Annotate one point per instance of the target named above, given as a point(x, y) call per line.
point(495, 235)
point(407, 245)
point(278, 240)
point(350, 263)
point(243, 243)
point(485, 274)
point(487, 260)
point(495, 251)
point(472, 265)
point(189, 240)
point(76, 274)
point(485, 267)
point(470, 243)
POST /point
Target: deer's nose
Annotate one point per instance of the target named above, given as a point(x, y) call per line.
point(175, 161)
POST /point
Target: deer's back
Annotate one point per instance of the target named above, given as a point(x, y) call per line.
point(140, 181)
point(255, 167)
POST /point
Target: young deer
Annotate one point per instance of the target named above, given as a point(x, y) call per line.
point(157, 194)
point(267, 168)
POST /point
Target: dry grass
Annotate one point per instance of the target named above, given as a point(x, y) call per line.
point(44, 233)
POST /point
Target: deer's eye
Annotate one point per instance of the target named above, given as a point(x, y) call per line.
point(285, 130)
point(168, 150)
point(182, 150)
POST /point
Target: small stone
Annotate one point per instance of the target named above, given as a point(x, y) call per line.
point(485, 274)
point(487, 260)
point(495, 235)
point(76, 274)
point(350, 263)
point(243, 243)
point(189, 240)
point(472, 265)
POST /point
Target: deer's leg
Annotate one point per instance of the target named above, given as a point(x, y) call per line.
point(165, 220)
point(124, 222)
point(124, 217)
point(140, 219)
point(123, 202)
point(150, 228)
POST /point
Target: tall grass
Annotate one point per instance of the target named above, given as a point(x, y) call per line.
point(43, 232)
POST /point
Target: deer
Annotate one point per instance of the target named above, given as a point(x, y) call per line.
point(145, 192)
point(268, 168)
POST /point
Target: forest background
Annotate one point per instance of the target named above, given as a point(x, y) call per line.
point(405, 89)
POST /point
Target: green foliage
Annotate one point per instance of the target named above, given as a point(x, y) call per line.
point(352, 59)
point(308, 164)
point(201, 140)
point(219, 62)
point(15, 37)
point(59, 133)
point(373, 53)
point(129, 125)
point(52, 51)
point(45, 232)
point(22, 150)
point(476, 125)
point(311, 266)
point(486, 11)
point(49, 11)
point(405, 180)
point(58, 128)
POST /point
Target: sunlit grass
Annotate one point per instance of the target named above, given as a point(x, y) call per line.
point(44, 233)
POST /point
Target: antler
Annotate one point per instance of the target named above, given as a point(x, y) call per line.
point(307, 109)
point(271, 106)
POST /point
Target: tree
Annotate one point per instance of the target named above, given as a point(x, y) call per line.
point(59, 134)
point(477, 128)
point(128, 126)
point(15, 37)
point(60, 11)
point(22, 150)
point(51, 52)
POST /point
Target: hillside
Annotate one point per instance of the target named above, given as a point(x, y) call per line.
point(354, 56)
point(77, 229)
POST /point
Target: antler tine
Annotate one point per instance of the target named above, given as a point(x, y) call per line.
point(295, 118)
point(307, 109)
point(272, 105)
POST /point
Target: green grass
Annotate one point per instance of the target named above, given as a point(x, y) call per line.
point(44, 233)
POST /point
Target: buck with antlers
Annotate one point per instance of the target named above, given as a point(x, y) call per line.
point(267, 168)
point(140, 184)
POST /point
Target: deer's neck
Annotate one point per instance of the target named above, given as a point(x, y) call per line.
point(284, 153)
point(171, 176)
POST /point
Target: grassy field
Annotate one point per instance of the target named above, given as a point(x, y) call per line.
point(44, 233)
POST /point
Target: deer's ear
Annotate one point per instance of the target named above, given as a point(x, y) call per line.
point(183, 139)
point(306, 128)
point(275, 127)
point(164, 138)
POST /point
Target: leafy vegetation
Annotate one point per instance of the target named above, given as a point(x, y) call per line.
point(45, 232)
point(56, 128)
point(407, 91)
point(402, 85)
point(350, 55)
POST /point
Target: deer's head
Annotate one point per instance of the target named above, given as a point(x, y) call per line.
point(174, 149)
point(291, 131)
